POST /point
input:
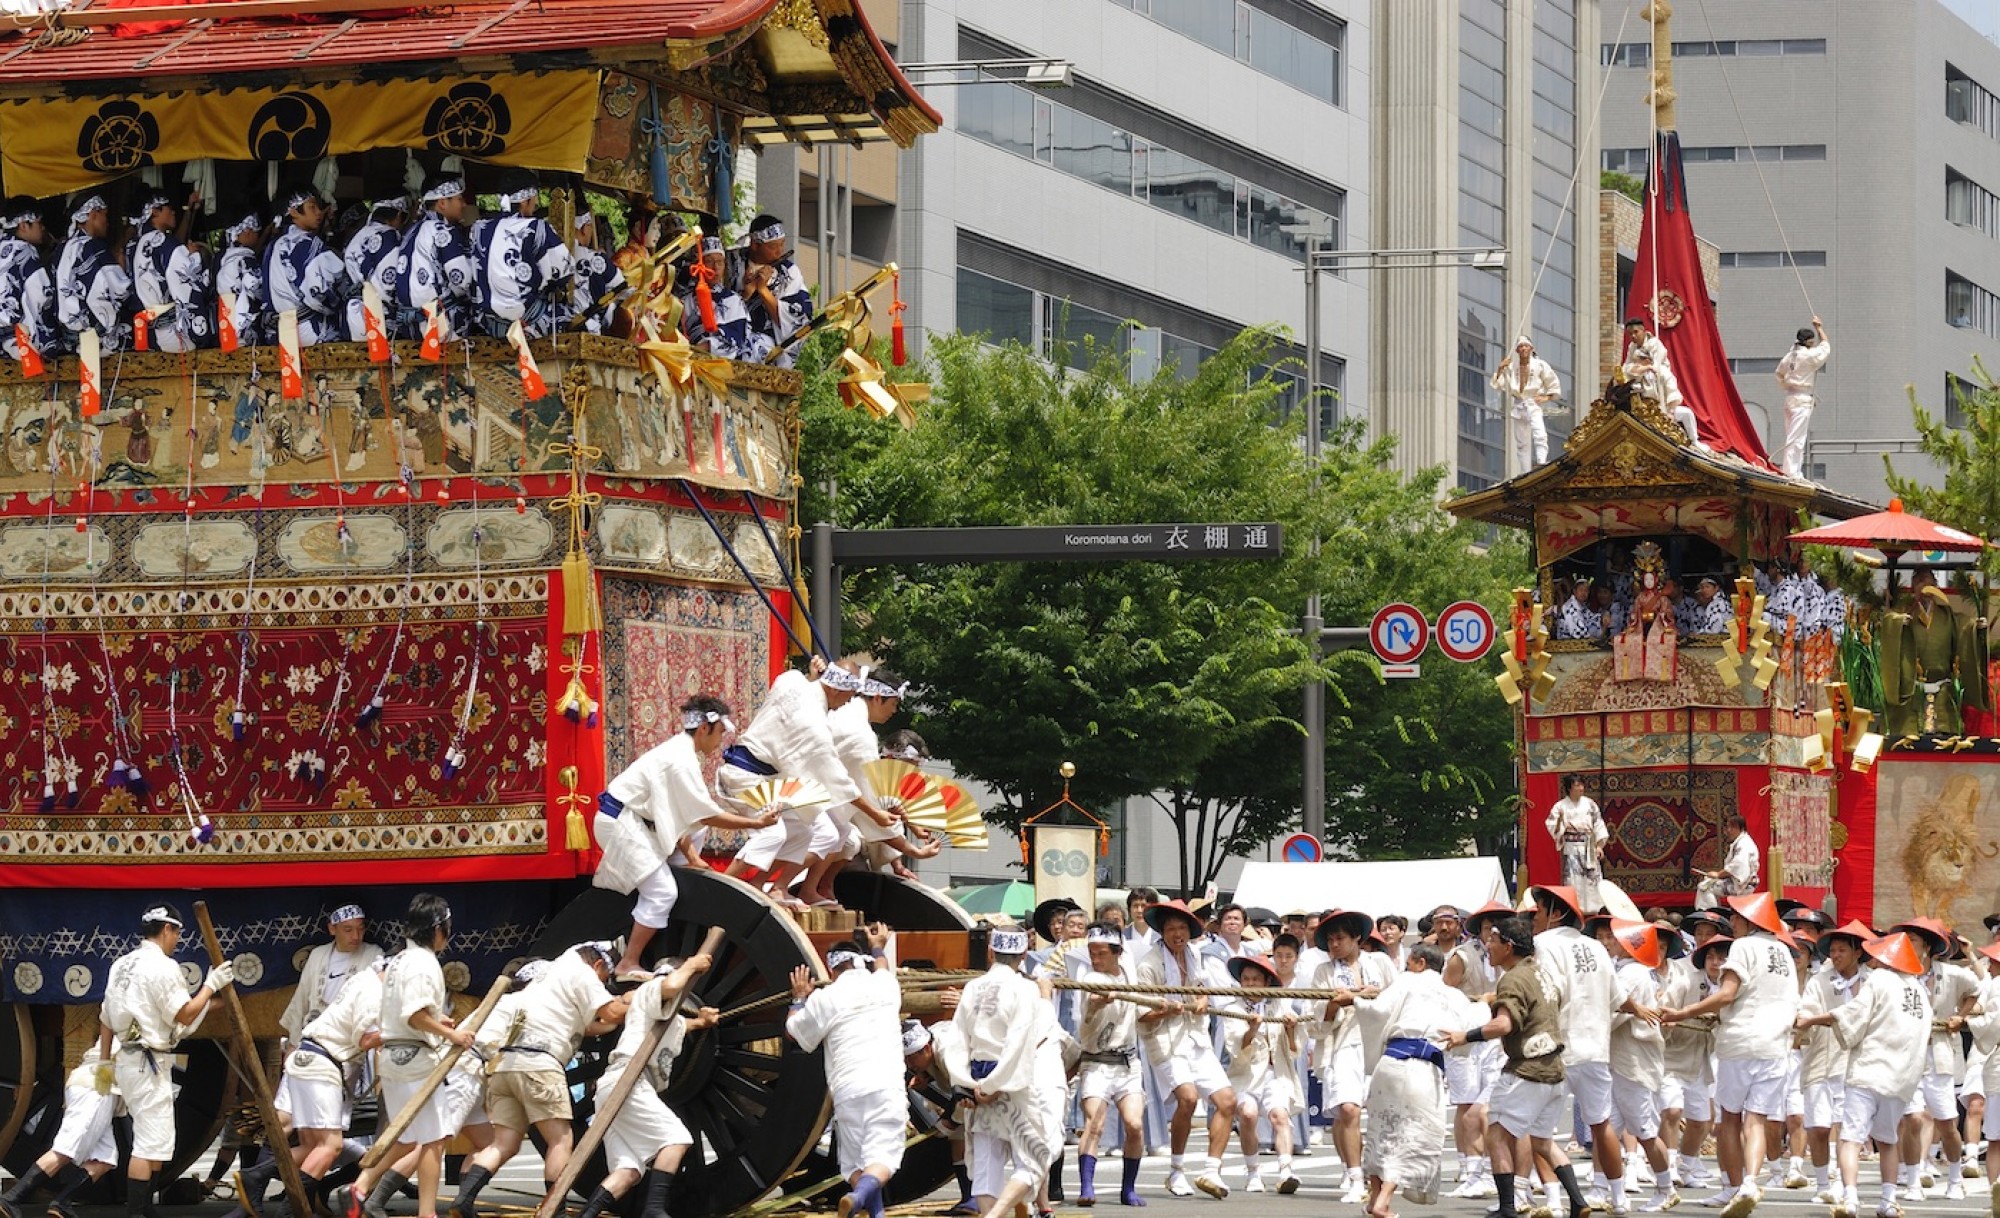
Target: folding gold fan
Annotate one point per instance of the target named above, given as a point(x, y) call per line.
point(945, 807)
point(785, 792)
point(886, 777)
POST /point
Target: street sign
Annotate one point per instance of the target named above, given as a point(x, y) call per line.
point(1399, 634)
point(1301, 848)
point(1465, 631)
point(1402, 670)
point(1035, 543)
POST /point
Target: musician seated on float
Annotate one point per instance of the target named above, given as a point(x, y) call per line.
point(773, 288)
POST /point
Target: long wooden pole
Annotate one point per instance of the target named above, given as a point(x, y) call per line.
point(244, 1047)
point(614, 1100)
point(386, 1140)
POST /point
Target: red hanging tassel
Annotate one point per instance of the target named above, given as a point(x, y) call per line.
point(899, 353)
point(704, 297)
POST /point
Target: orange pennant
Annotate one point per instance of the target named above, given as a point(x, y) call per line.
point(90, 375)
point(225, 326)
point(291, 368)
point(142, 325)
point(371, 322)
point(433, 346)
point(31, 359)
point(531, 373)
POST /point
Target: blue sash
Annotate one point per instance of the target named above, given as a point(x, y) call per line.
point(1409, 1048)
point(744, 759)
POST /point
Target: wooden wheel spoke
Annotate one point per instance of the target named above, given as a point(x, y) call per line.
point(721, 984)
point(743, 1033)
point(744, 1085)
point(747, 1059)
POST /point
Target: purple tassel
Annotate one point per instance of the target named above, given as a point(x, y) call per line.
point(304, 772)
point(71, 796)
point(135, 781)
point(590, 720)
point(116, 778)
point(573, 713)
point(454, 761)
point(237, 723)
point(370, 713)
point(203, 832)
point(48, 798)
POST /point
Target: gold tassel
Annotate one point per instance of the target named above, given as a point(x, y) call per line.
point(578, 838)
point(580, 611)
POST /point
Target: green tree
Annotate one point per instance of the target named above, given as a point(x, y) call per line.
point(1968, 496)
point(1175, 683)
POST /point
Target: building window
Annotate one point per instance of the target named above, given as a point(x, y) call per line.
point(1013, 119)
point(1954, 413)
point(1770, 258)
point(1967, 101)
point(1968, 203)
point(1297, 45)
point(1634, 160)
point(1000, 311)
point(1969, 306)
point(1640, 54)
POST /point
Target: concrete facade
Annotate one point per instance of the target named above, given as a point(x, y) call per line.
point(1124, 256)
point(1480, 127)
point(1854, 99)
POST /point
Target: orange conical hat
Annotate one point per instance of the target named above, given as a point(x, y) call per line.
point(1760, 911)
point(1896, 951)
point(1640, 939)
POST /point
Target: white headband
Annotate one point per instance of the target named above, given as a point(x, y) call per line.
point(520, 196)
point(836, 677)
point(585, 217)
point(1110, 938)
point(393, 203)
point(248, 224)
point(907, 753)
point(152, 205)
point(711, 245)
point(19, 218)
point(83, 209)
point(450, 188)
point(840, 958)
point(770, 232)
point(879, 689)
point(529, 971)
point(158, 913)
point(346, 913)
point(299, 197)
point(915, 1036)
point(699, 719)
point(601, 948)
point(1008, 942)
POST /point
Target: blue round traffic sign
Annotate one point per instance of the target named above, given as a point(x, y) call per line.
point(1302, 848)
point(1399, 633)
point(1465, 631)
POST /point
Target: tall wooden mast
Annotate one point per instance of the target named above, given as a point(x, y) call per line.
point(1661, 14)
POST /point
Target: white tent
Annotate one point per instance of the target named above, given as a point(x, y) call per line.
point(1411, 887)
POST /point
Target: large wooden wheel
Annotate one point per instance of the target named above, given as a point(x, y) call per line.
point(31, 1095)
point(755, 1102)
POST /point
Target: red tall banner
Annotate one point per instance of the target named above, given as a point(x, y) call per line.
point(1667, 285)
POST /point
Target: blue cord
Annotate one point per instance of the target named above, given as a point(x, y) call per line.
point(730, 550)
point(791, 584)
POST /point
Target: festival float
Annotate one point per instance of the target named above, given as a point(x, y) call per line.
point(286, 633)
point(1838, 736)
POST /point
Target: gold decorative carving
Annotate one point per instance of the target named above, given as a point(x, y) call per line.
point(801, 16)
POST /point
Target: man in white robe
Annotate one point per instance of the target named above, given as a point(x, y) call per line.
point(648, 818)
point(858, 1019)
point(1527, 382)
point(1404, 1143)
point(1796, 374)
point(1015, 1124)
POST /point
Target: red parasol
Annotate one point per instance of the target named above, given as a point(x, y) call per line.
point(1892, 532)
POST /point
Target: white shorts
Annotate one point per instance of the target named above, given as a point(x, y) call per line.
point(1530, 1110)
point(643, 1127)
point(1795, 1092)
point(1936, 1097)
point(1108, 1081)
point(85, 1134)
point(1345, 1079)
point(1469, 1076)
point(1990, 1123)
point(1638, 1107)
point(1865, 1115)
point(462, 1102)
point(1823, 1101)
point(870, 1128)
point(314, 1103)
point(1195, 1066)
point(1756, 1087)
point(429, 1124)
point(1696, 1101)
point(146, 1081)
point(787, 841)
point(833, 833)
point(1271, 1091)
point(1590, 1084)
point(657, 894)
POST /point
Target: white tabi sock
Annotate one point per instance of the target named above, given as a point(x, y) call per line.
point(1618, 1192)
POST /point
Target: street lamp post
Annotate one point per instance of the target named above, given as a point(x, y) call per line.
point(1322, 256)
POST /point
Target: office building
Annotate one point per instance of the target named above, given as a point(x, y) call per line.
point(1875, 130)
point(1479, 127)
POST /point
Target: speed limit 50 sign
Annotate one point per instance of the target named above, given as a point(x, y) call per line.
point(1465, 631)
